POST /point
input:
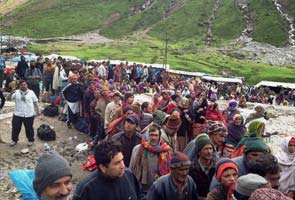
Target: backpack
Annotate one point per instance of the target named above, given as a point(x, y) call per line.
point(82, 126)
point(44, 132)
point(51, 110)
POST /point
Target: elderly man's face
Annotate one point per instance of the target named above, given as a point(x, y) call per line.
point(180, 174)
point(58, 190)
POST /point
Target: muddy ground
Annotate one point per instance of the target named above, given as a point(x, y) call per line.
point(11, 158)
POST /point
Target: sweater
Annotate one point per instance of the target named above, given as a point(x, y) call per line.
point(96, 186)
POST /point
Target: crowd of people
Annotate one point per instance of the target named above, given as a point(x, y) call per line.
point(179, 145)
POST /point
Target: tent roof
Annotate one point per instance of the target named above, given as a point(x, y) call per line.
point(276, 84)
point(222, 79)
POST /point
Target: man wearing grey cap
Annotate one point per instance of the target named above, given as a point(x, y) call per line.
point(52, 177)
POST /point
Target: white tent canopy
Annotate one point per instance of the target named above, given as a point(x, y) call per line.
point(52, 56)
point(222, 79)
point(197, 74)
point(275, 84)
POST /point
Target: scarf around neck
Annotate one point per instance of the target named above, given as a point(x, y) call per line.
point(164, 157)
point(23, 95)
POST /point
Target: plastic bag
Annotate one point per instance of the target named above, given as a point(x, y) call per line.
point(82, 147)
point(23, 181)
point(90, 165)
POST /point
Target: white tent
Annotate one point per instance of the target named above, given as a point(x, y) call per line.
point(197, 74)
point(52, 56)
point(222, 79)
point(276, 84)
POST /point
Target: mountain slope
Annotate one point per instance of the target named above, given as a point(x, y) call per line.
point(177, 20)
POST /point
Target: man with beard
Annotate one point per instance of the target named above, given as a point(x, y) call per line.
point(170, 128)
point(151, 158)
point(111, 180)
point(53, 177)
point(129, 137)
point(33, 76)
point(176, 185)
point(21, 68)
point(203, 165)
point(26, 107)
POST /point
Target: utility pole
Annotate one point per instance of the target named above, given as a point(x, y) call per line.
point(165, 53)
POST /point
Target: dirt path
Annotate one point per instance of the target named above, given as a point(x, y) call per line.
point(11, 158)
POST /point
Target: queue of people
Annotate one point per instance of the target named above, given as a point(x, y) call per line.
point(180, 145)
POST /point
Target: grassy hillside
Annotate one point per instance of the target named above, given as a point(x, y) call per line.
point(269, 26)
point(182, 20)
point(52, 18)
point(228, 22)
point(187, 23)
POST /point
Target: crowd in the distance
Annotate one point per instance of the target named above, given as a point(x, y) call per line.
point(179, 145)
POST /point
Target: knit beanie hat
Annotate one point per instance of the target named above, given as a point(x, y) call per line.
point(160, 117)
point(247, 184)
point(223, 164)
point(255, 144)
point(134, 118)
point(214, 126)
point(179, 159)
point(268, 194)
point(50, 167)
point(202, 140)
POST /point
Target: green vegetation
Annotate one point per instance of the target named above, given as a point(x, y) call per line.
point(269, 26)
point(209, 62)
point(228, 22)
point(142, 33)
point(182, 21)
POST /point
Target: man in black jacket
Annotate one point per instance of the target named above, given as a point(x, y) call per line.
point(111, 180)
point(73, 93)
point(21, 67)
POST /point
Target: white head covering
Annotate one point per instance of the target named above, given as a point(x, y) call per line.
point(286, 161)
point(284, 156)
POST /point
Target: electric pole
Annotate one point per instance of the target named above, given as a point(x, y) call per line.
point(165, 53)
